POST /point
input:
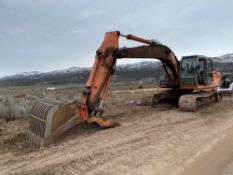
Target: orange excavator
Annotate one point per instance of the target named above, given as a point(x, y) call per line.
point(191, 82)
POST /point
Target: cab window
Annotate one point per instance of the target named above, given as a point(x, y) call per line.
point(188, 67)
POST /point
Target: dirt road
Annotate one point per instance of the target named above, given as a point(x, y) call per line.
point(161, 141)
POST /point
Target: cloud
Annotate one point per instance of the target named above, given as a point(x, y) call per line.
point(45, 35)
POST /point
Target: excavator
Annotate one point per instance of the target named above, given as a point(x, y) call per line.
point(191, 82)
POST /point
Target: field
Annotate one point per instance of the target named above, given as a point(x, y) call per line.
point(161, 140)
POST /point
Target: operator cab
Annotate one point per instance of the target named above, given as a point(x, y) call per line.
point(196, 70)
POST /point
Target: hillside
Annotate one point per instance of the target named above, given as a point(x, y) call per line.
point(224, 58)
point(143, 72)
point(224, 63)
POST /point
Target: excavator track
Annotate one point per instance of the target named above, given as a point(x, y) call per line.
point(167, 95)
point(190, 102)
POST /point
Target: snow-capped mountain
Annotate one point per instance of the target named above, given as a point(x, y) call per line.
point(224, 58)
point(23, 74)
point(125, 72)
point(140, 65)
point(136, 72)
point(38, 73)
point(224, 63)
point(69, 70)
point(26, 74)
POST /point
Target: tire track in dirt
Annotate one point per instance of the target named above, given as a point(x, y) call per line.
point(149, 142)
point(80, 146)
point(140, 131)
point(216, 159)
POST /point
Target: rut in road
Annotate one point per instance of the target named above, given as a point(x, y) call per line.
point(150, 141)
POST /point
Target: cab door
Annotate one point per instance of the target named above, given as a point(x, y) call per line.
point(208, 72)
point(187, 73)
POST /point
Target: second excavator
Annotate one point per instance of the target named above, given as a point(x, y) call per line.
point(191, 82)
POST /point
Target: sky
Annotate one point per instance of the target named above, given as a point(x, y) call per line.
point(45, 35)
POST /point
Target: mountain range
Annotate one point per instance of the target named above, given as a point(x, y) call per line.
point(144, 72)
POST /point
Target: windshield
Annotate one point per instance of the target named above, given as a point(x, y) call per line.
point(188, 67)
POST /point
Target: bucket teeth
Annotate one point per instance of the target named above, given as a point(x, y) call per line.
point(48, 121)
point(36, 132)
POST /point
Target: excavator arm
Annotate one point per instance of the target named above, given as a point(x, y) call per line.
point(49, 120)
point(160, 52)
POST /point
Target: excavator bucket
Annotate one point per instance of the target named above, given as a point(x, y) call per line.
point(50, 120)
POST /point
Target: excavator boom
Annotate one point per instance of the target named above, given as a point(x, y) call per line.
point(100, 77)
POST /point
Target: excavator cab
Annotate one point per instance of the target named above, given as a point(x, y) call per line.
point(196, 71)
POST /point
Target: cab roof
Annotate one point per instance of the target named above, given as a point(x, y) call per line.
point(195, 57)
